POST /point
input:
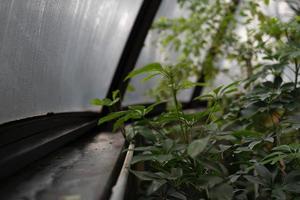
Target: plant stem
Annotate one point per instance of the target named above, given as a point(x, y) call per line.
point(296, 73)
point(211, 112)
point(256, 186)
point(207, 192)
point(174, 94)
point(154, 128)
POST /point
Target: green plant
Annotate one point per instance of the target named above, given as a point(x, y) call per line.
point(208, 34)
point(244, 145)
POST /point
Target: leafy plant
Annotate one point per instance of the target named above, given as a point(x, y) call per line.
point(244, 145)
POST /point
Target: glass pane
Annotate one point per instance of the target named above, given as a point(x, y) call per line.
point(57, 55)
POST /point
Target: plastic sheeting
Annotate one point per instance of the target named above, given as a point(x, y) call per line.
point(56, 55)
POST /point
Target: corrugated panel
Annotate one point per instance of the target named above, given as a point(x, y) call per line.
point(56, 55)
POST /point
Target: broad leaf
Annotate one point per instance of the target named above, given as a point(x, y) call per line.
point(197, 147)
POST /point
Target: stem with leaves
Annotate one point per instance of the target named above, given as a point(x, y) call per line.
point(151, 126)
point(177, 107)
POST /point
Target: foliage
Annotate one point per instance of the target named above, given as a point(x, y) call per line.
point(244, 145)
point(207, 33)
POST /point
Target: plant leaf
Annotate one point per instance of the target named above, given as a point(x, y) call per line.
point(153, 67)
point(197, 146)
point(146, 176)
point(111, 116)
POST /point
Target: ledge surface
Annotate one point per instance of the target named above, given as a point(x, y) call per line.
point(82, 170)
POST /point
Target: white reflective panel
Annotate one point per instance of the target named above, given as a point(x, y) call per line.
point(56, 55)
point(151, 52)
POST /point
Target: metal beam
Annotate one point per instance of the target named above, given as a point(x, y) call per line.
point(133, 47)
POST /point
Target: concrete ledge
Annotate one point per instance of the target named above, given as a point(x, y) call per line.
point(80, 171)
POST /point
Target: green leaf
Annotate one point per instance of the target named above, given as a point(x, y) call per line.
point(292, 182)
point(153, 67)
point(224, 147)
point(197, 147)
point(176, 173)
point(159, 158)
point(177, 195)
point(151, 107)
point(264, 173)
point(229, 88)
point(115, 94)
point(247, 133)
point(146, 176)
point(214, 166)
point(130, 88)
point(234, 178)
point(188, 84)
point(136, 107)
point(150, 77)
point(96, 102)
point(120, 122)
point(254, 179)
point(205, 97)
point(163, 158)
point(101, 102)
point(111, 116)
point(222, 192)
point(147, 133)
point(142, 158)
point(129, 133)
point(155, 185)
point(167, 144)
point(253, 144)
point(209, 181)
point(105, 101)
point(217, 90)
point(196, 116)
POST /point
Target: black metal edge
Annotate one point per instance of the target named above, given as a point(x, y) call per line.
point(198, 89)
point(21, 129)
point(38, 146)
point(133, 47)
point(47, 116)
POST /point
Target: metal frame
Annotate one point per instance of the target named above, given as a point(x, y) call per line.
point(25, 141)
point(133, 47)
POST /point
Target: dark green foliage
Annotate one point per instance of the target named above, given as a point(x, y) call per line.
point(244, 145)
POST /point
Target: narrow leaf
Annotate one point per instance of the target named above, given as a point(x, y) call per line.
point(111, 116)
point(153, 67)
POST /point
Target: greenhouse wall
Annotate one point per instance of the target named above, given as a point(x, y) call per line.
point(57, 55)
